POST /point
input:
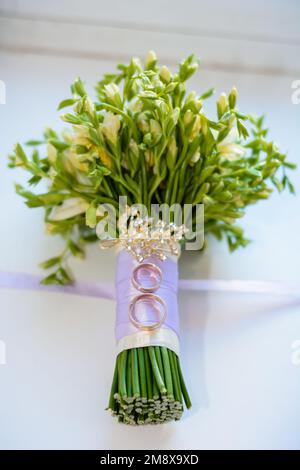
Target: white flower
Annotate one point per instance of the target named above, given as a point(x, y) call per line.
point(81, 136)
point(110, 127)
point(229, 148)
point(111, 90)
point(73, 163)
point(135, 106)
point(69, 208)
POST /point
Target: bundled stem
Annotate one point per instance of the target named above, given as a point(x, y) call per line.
point(148, 386)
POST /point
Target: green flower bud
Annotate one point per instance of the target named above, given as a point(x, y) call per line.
point(155, 129)
point(196, 127)
point(165, 74)
point(143, 123)
point(222, 105)
point(150, 60)
point(187, 118)
point(195, 157)
point(232, 98)
point(133, 148)
point(204, 125)
point(149, 157)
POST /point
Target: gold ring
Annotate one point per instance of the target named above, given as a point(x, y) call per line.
point(145, 297)
point(154, 270)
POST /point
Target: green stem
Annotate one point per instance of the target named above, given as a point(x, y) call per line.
point(185, 394)
point(148, 374)
point(129, 376)
point(135, 373)
point(156, 371)
point(159, 361)
point(122, 373)
point(142, 372)
point(167, 371)
point(177, 392)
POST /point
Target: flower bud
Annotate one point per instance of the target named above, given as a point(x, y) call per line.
point(232, 97)
point(165, 74)
point(151, 60)
point(175, 115)
point(198, 104)
point(155, 129)
point(143, 124)
point(52, 153)
point(172, 147)
point(204, 125)
point(89, 106)
point(172, 153)
point(133, 147)
point(222, 105)
point(195, 157)
point(187, 118)
point(149, 157)
point(196, 127)
point(136, 64)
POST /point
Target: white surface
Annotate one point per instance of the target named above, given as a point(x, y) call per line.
point(236, 349)
point(114, 36)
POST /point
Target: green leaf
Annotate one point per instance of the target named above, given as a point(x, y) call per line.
point(34, 142)
point(49, 263)
point(71, 118)
point(207, 94)
point(63, 276)
point(20, 153)
point(66, 103)
point(59, 144)
point(75, 249)
point(242, 130)
point(51, 279)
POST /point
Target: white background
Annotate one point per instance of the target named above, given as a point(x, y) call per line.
point(236, 349)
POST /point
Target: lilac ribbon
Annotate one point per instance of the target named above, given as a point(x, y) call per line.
point(125, 292)
point(32, 282)
point(102, 290)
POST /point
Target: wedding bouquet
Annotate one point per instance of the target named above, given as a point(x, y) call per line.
point(146, 141)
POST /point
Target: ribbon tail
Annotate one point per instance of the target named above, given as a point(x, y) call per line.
point(32, 282)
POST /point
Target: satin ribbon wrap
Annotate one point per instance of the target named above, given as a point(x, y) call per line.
point(129, 336)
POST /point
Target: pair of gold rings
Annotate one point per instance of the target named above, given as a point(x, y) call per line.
point(148, 296)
